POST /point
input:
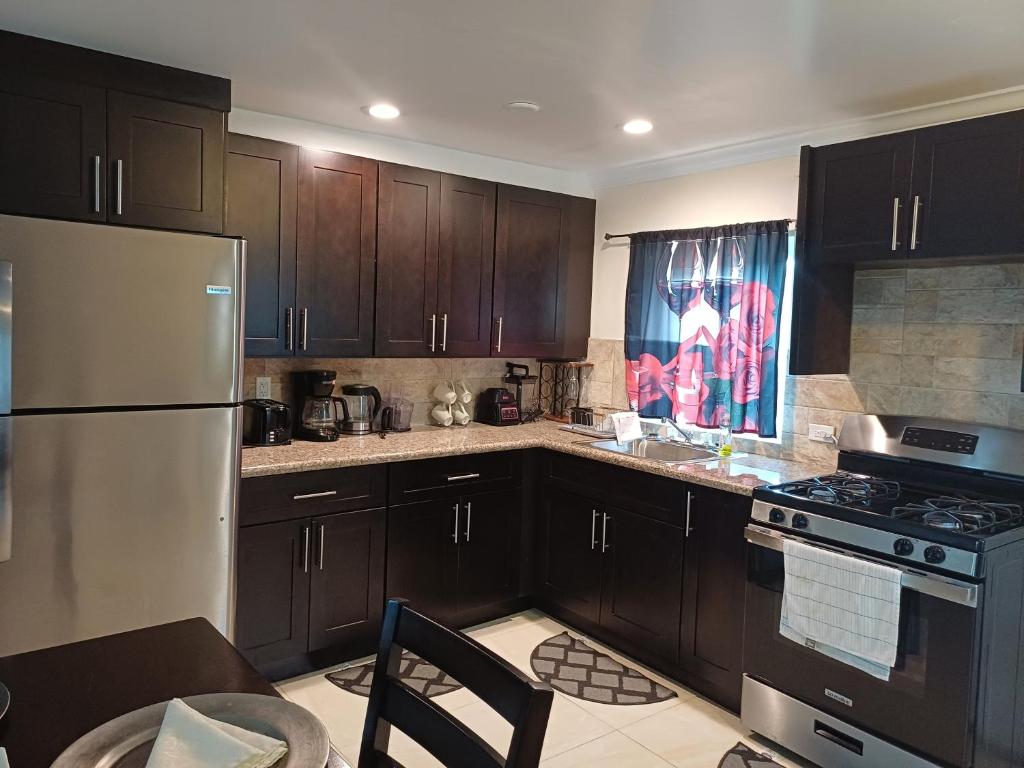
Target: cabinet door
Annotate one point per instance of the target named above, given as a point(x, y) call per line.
point(337, 240)
point(171, 160)
point(531, 272)
point(466, 265)
point(569, 556)
point(408, 216)
point(968, 188)
point(346, 595)
point(423, 557)
point(52, 148)
point(272, 605)
point(858, 196)
point(712, 621)
point(261, 189)
point(643, 581)
point(488, 550)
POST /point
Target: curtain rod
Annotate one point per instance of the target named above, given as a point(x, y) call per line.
point(609, 236)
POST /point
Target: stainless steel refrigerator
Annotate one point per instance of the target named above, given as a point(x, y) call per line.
point(120, 381)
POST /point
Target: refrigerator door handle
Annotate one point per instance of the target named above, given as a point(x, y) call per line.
point(6, 422)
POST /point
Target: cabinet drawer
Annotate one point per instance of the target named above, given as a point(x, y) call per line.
point(453, 476)
point(304, 494)
point(659, 497)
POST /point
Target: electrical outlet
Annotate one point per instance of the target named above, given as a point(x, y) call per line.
point(263, 387)
point(821, 433)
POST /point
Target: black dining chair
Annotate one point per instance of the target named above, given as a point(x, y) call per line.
point(523, 702)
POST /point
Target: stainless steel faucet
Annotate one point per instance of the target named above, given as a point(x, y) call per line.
point(687, 438)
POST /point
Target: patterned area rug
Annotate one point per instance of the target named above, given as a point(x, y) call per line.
point(573, 667)
point(742, 756)
point(414, 672)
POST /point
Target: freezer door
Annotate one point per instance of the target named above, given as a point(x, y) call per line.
point(113, 316)
point(121, 520)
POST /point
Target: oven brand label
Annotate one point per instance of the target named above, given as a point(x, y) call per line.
point(839, 697)
point(218, 290)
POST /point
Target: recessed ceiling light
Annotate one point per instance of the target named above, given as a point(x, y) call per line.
point(639, 125)
point(523, 106)
point(383, 111)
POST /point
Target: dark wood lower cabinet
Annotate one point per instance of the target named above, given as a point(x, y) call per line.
point(488, 552)
point(422, 565)
point(569, 556)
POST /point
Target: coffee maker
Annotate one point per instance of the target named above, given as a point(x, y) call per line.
point(315, 390)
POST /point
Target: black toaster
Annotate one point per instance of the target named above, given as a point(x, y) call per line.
point(497, 406)
point(266, 422)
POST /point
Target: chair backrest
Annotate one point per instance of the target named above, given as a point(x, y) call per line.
point(523, 702)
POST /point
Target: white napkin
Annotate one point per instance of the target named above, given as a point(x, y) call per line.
point(188, 739)
point(3, 758)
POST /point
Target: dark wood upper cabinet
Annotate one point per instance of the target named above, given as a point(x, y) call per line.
point(336, 251)
point(261, 207)
point(346, 594)
point(858, 200)
point(52, 148)
point(408, 217)
point(466, 265)
point(541, 252)
point(968, 188)
point(166, 162)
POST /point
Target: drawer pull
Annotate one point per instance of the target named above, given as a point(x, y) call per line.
point(469, 476)
point(320, 495)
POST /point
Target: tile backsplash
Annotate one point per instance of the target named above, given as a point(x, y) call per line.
point(945, 342)
point(411, 378)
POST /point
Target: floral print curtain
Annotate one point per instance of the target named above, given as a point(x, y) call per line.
point(702, 324)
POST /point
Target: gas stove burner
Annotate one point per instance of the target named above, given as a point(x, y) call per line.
point(844, 489)
point(960, 514)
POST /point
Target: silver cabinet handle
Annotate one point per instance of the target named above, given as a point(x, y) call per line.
point(469, 518)
point(604, 532)
point(289, 329)
point(304, 327)
point(469, 476)
point(895, 222)
point(119, 187)
point(455, 533)
point(593, 530)
point(96, 171)
point(433, 332)
point(689, 509)
point(501, 322)
point(317, 495)
point(305, 549)
point(913, 222)
point(444, 332)
point(323, 535)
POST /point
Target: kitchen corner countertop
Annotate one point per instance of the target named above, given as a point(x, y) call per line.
point(738, 475)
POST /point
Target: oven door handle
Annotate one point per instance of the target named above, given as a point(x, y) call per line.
point(952, 590)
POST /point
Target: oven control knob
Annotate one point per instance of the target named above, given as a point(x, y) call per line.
point(934, 554)
point(776, 515)
point(903, 547)
point(799, 521)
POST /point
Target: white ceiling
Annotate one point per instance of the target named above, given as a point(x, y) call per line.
point(706, 72)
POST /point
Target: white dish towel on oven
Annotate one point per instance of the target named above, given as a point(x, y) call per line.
point(841, 606)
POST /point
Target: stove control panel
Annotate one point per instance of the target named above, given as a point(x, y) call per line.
point(940, 440)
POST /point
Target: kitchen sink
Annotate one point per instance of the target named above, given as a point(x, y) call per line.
point(658, 450)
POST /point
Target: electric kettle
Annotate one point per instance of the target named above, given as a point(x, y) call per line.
point(360, 404)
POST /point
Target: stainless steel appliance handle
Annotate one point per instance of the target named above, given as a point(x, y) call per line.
point(895, 222)
point(444, 332)
point(501, 322)
point(304, 326)
point(593, 530)
point(119, 187)
point(323, 535)
point(952, 590)
point(96, 171)
point(689, 508)
point(433, 332)
point(604, 532)
point(455, 532)
point(305, 549)
point(913, 222)
point(6, 489)
point(289, 329)
point(317, 495)
point(468, 476)
point(469, 518)
point(6, 422)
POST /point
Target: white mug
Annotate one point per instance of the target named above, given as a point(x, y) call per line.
point(463, 392)
point(445, 393)
point(460, 414)
point(442, 414)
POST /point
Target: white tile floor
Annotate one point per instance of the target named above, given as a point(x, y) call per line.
point(686, 731)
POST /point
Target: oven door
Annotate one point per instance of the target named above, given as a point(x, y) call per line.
point(925, 706)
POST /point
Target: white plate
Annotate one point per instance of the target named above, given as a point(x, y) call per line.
point(126, 741)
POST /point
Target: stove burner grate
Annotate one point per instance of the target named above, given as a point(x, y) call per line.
point(961, 514)
point(844, 489)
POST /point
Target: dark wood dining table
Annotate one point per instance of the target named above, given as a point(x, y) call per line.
point(59, 694)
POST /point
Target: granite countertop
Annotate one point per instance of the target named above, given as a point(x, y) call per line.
point(740, 474)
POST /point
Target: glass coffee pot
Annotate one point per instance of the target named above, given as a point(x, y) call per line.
point(319, 409)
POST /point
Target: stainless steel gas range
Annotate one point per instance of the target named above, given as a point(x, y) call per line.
point(941, 502)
